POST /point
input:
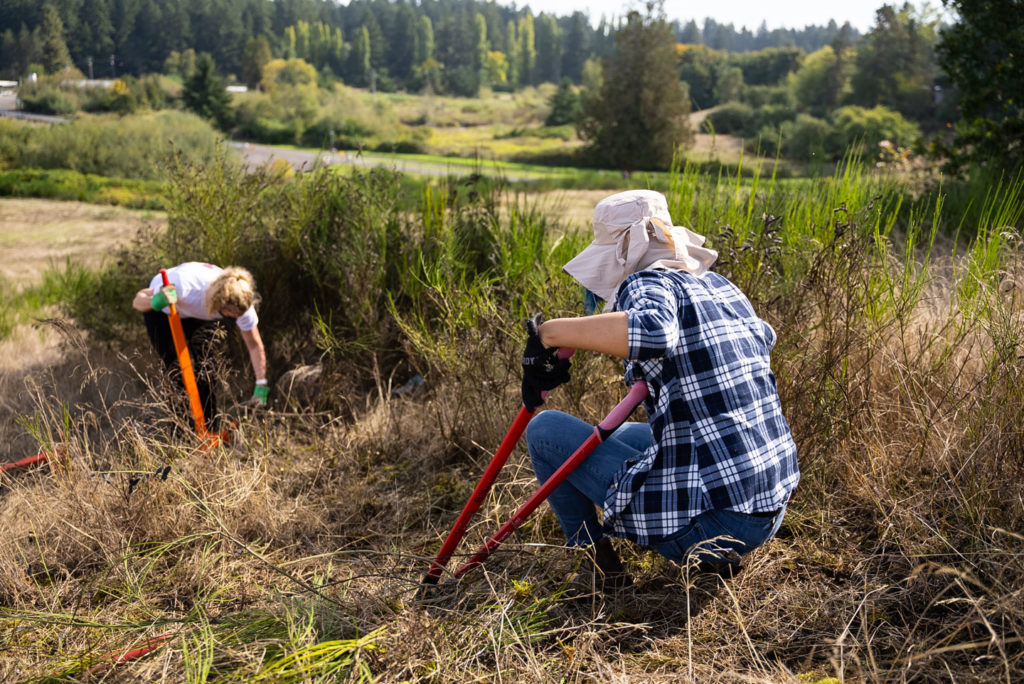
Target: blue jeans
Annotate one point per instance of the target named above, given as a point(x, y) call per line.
point(552, 437)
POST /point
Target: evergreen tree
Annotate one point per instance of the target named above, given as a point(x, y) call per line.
point(837, 78)
point(359, 59)
point(691, 35)
point(576, 47)
point(205, 95)
point(565, 105)
point(401, 56)
point(96, 29)
point(20, 50)
point(895, 63)
point(53, 50)
point(549, 49)
point(639, 118)
point(378, 46)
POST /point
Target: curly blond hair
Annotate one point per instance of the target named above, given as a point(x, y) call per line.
point(235, 287)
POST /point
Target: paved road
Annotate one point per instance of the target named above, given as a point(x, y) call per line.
point(257, 155)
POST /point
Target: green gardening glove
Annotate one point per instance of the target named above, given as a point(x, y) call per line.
point(260, 393)
point(164, 297)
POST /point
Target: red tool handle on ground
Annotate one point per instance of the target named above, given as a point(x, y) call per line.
point(602, 431)
point(27, 461)
point(483, 487)
point(185, 363)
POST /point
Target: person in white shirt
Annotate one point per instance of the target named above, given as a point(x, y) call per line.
point(204, 295)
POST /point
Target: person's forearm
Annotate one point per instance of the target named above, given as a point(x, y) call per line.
point(257, 354)
point(143, 300)
point(607, 333)
point(259, 363)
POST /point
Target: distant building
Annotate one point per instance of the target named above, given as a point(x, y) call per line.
point(107, 83)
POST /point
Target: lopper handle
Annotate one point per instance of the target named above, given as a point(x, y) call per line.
point(618, 415)
point(483, 487)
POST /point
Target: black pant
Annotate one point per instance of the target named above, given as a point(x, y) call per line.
point(200, 336)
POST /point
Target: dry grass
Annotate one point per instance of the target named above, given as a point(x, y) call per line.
point(296, 554)
point(38, 233)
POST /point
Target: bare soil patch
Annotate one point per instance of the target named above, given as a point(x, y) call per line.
point(35, 233)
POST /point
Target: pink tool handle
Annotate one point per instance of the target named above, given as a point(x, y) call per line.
point(483, 487)
point(612, 421)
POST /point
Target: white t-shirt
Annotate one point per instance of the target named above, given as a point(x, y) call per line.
point(191, 280)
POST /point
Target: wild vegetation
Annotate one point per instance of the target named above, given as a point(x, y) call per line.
point(392, 314)
point(806, 96)
point(295, 554)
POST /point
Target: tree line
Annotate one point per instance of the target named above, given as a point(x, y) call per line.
point(455, 46)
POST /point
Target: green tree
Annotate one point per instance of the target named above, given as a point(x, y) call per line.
point(729, 85)
point(576, 46)
point(837, 77)
point(639, 118)
point(983, 53)
point(481, 48)
point(697, 68)
point(549, 49)
point(513, 53)
point(496, 68)
point(21, 50)
point(205, 95)
point(53, 50)
point(815, 84)
point(895, 63)
point(565, 105)
point(527, 50)
point(96, 28)
point(401, 57)
point(255, 55)
point(359, 58)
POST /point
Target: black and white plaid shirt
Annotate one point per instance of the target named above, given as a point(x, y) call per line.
point(720, 439)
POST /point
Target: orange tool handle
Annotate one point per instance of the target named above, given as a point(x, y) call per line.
point(185, 362)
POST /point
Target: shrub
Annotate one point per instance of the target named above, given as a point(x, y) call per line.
point(808, 138)
point(138, 147)
point(401, 147)
point(772, 115)
point(732, 118)
point(47, 99)
point(71, 185)
point(761, 96)
point(858, 126)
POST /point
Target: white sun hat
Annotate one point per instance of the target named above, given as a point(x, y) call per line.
point(633, 232)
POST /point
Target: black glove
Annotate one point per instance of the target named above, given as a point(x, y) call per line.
point(542, 369)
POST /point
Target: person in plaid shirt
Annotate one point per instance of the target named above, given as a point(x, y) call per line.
point(712, 470)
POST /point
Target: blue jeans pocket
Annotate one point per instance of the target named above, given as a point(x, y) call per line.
point(716, 530)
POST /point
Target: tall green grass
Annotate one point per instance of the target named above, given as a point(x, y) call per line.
point(141, 147)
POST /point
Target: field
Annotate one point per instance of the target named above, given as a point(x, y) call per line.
point(39, 234)
point(295, 554)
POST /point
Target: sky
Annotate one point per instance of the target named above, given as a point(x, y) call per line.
point(749, 13)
